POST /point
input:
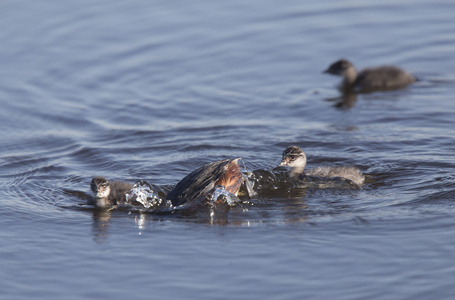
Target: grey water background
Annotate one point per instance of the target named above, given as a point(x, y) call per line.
point(155, 89)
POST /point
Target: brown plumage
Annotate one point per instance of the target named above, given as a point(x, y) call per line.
point(202, 181)
point(371, 79)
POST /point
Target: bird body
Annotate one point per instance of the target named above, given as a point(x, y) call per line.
point(108, 193)
point(294, 158)
point(370, 79)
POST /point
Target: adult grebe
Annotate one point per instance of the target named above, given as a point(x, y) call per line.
point(107, 193)
point(295, 159)
point(203, 181)
point(372, 79)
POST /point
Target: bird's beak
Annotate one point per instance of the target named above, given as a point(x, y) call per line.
point(326, 71)
point(284, 162)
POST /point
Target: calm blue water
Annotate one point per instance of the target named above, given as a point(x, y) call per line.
point(152, 90)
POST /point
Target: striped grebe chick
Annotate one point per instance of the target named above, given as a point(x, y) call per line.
point(107, 193)
point(371, 79)
point(202, 182)
point(295, 159)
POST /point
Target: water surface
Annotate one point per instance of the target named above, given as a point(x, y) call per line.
point(153, 90)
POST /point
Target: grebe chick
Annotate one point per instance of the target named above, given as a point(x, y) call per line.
point(295, 159)
point(372, 79)
point(107, 193)
point(201, 182)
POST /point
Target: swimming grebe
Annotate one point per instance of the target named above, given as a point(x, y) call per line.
point(203, 181)
point(372, 79)
point(295, 159)
point(107, 193)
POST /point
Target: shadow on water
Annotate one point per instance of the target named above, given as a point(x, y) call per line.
point(198, 213)
point(348, 97)
point(346, 100)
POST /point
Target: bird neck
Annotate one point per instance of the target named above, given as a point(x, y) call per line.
point(298, 168)
point(103, 202)
point(349, 76)
point(296, 171)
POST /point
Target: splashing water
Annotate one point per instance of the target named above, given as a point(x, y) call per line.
point(221, 195)
point(145, 194)
point(247, 177)
point(249, 185)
